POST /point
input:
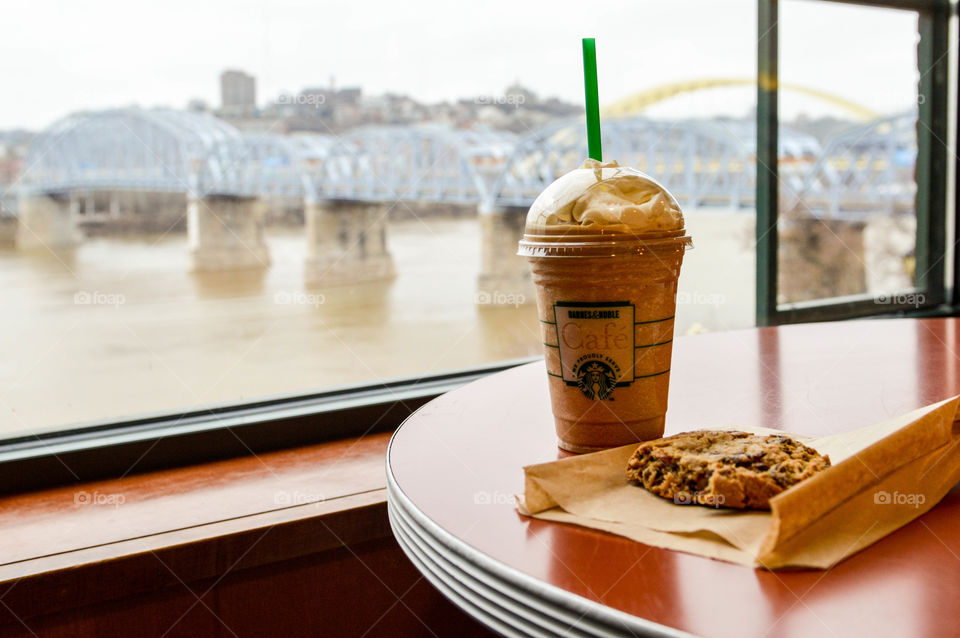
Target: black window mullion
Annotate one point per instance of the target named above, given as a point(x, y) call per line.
point(767, 169)
point(955, 292)
point(932, 52)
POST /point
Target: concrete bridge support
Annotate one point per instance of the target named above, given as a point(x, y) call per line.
point(226, 233)
point(346, 243)
point(504, 278)
point(46, 220)
point(821, 259)
point(8, 231)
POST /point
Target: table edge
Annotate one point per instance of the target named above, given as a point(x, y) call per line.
point(517, 587)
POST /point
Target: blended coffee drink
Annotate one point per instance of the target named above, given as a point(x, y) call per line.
point(605, 245)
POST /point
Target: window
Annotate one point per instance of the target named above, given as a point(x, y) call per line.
point(852, 217)
point(225, 235)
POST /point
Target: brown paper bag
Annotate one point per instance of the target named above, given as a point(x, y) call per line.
point(883, 476)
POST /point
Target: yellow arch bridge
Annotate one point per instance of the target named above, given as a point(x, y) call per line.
point(639, 102)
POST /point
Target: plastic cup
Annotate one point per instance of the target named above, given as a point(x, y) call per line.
point(606, 302)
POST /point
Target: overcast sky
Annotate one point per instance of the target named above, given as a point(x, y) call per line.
point(59, 57)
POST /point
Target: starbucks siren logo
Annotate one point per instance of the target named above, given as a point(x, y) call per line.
point(596, 380)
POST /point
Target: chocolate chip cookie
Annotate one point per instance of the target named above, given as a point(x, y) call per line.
point(723, 468)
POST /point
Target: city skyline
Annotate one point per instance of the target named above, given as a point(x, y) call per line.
point(463, 53)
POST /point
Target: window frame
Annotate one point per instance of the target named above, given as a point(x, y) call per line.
point(114, 449)
point(932, 159)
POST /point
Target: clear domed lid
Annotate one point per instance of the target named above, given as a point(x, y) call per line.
point(603, 210)
point(604, 198)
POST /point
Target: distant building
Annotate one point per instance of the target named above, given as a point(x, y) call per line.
point(349, 95)
point(10, 169)
point(525, 95)
point(320, 109)
point(238, 94)
point(197, 105)
point(332, 109)
point(13, 150)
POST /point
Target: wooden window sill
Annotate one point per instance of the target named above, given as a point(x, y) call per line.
point(91, 543)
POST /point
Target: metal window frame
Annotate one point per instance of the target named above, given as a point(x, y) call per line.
point(932, 161)
point(115, 449)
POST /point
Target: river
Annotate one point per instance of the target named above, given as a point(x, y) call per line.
point(119, 326)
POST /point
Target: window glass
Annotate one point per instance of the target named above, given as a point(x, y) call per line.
point(848, 150)
point(208, 203)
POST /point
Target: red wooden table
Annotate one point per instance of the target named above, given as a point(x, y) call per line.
point(454, 466)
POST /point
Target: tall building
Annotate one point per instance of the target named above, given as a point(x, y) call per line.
point(238, 93)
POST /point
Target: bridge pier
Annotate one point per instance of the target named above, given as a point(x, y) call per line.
point(504, 278)
point(8, 231)
point(346, 243)
point(225, 232)
point(46, 221)
point(821, 258)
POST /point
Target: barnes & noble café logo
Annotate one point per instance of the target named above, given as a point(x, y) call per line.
point(595, 345)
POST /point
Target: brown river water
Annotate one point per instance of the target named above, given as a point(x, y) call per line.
point(120, 327)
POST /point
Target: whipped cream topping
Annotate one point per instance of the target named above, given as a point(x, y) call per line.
point(605, 196)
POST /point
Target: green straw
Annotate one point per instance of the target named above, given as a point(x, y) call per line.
point(590, 91)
